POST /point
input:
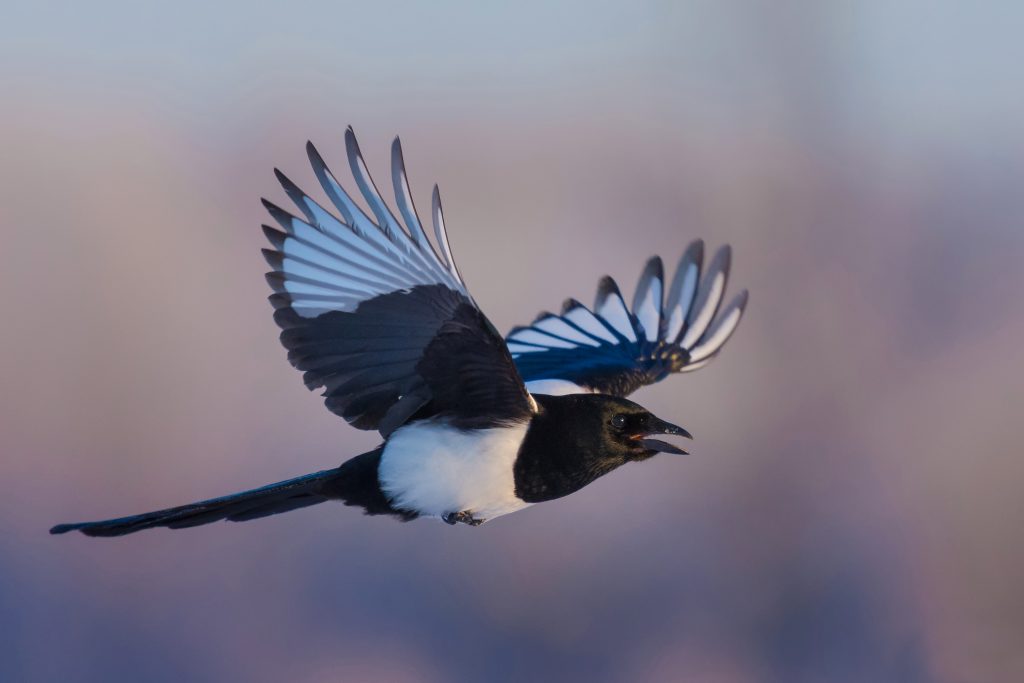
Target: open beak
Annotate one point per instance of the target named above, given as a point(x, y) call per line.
point(656, 426)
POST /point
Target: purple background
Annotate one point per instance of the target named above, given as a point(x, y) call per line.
point(853, 505)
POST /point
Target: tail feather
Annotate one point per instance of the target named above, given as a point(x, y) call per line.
point(283, 496)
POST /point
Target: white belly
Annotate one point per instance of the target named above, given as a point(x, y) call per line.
point(433, 469)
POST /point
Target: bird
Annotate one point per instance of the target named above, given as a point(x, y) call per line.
point(474, 425)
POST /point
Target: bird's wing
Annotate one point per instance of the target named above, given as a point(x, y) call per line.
point(614, 350)
point(380, 318)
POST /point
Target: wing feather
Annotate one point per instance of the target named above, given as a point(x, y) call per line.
point(609, 305)
point(683, 288)
point(647, 301)
point(616, 350)
point(377, 316)
point(709, 297)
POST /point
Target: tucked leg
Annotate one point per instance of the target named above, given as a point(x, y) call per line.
point(465, 517)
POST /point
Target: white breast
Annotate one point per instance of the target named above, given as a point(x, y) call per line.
point(434, 469)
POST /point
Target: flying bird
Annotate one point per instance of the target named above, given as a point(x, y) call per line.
point(474, 425)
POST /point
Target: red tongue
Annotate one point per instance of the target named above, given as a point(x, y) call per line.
point(662, 447)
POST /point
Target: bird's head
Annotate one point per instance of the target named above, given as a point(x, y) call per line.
point(628, 430)
point(576, 438)
point(604, 427)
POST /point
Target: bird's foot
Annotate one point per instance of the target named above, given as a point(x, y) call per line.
point(465, 517)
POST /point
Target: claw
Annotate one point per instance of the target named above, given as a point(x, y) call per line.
point(465, 517)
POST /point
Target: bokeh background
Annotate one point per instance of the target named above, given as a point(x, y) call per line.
point(852, 510)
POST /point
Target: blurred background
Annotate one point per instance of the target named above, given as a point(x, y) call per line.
point(852, 508)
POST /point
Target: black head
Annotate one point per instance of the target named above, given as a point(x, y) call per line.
point(627, 428)
point(577, 438)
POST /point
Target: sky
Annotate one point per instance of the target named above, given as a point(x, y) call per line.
point(851, 508)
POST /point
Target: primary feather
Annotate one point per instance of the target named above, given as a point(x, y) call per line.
point(375, 315)
point(614, 350)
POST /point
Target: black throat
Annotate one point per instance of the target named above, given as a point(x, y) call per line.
point(563, 450)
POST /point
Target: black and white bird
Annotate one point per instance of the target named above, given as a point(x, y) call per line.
point(475, 426)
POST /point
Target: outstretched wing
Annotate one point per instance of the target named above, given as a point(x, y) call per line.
point(378, 317)
point(614, 350)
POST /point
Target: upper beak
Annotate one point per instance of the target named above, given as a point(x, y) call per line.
point(657, 426)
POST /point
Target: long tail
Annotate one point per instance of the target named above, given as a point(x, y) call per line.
point(354, 483)
point(239, 507)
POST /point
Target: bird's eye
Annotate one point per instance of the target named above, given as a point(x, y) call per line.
point(619, 421)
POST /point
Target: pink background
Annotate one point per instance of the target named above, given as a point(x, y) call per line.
point(852, 509)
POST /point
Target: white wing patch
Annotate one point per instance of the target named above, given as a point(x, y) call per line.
point(709, 296)
point(648, 299)
point(585, 320)
point(684, 286)
point(610, 306)
point(687, 315)
point(554, 325)
point(326, 262)
point(540, 339)
point(555, 387)
point(720, 331)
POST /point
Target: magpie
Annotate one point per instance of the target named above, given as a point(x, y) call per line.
point(474, 425)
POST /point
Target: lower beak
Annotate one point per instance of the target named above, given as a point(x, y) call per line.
point(657, 426)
